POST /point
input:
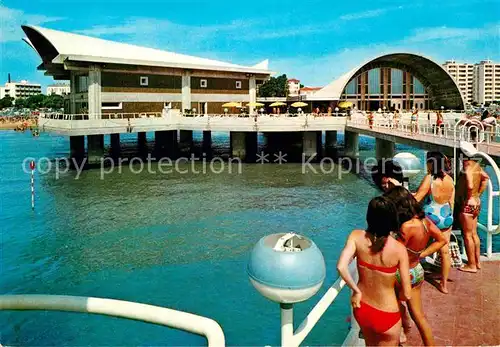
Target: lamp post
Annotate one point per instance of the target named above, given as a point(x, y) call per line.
point(383, 108)
point(225, 111)
point(336, 111)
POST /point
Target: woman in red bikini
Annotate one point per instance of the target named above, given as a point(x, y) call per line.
point(374, 301)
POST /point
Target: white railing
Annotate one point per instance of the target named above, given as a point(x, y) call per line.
point(289, 338)
point(117, 308)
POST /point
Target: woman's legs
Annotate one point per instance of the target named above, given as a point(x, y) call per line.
point(418, 316)
point(467, 222)
point(445, 263)
point(477, 244)
point(388, 338)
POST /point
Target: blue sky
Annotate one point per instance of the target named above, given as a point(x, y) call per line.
point(314, 41)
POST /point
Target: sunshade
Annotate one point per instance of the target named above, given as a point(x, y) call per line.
point(345, 104)
point(255, 104)
point(299, 104)
point(231, 104)
point(278, 103)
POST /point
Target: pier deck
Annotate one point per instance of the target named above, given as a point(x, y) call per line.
point(469, 315)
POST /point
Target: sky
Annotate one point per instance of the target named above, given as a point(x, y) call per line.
point(314, 41)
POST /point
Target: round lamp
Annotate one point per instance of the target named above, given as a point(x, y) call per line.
point(286, 268)
point(409, 163)
point(336, 109)
point(225, 110)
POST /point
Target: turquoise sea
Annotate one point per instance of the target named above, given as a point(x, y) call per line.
point(176, 240)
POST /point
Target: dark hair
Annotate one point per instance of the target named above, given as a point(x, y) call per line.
point(439, 164)
point(406, 205)
point(386, 168)
point(382, 218)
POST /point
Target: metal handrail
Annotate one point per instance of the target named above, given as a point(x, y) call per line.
point(117, 308)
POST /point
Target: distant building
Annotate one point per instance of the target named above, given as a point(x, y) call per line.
point(478, 82)
point(21, 89)
point(58, 89)
point(309, 90)
point(293, 87)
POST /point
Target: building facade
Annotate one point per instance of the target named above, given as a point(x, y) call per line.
point(463, 73)
point(58, 89)
point(21, 89)
point(293, 87)
point(388, 88)
point(486, 82)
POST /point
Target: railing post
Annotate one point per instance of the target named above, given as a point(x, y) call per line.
point(286, 324)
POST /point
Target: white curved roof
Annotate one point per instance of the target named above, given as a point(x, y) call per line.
point(334, 89)
point(90, 49)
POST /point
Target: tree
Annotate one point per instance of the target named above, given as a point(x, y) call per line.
point(21, 103)
point(35, 101)
point(275, 86)
point(6, 102)
point(53, 101)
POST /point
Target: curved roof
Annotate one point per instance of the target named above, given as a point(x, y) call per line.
point(442, 88)
point(55, 47)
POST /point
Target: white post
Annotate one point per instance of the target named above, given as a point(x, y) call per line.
point(252, 93)
point(286, 324)
point(186, 91)
point(94, 92)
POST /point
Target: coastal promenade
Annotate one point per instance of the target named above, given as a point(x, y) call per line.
point(468, 315)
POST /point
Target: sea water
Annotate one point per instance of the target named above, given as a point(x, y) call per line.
point(179, 240)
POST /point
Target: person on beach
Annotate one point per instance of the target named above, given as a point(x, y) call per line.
point(471, 183)
point(415, 233)
point(379, 256)
point(437, 191)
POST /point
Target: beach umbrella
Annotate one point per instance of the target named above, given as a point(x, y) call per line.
point(345, 104)
point(255, 104)
point(231, 104)
point(299, 104)
point(277, 103)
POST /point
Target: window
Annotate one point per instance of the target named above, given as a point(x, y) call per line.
point(111, 105)
point(144, 80)
point(238, 84)
point(203, 83)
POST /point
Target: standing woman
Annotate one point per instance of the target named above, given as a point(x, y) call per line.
point(374, 301)
point(437, 190)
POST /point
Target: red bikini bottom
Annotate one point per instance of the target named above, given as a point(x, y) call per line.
point(373, 319)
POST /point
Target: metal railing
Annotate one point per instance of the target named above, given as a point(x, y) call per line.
point(188, 322)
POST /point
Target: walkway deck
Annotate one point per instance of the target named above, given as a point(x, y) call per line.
point(469, 315)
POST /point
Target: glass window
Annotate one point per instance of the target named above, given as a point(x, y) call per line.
point(374, 81)
point(144, 80)
point(238, 84)
point(82, 84)
point(396, 81)
point(203, 83)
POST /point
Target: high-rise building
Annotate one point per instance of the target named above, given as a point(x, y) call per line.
point(21, 89)
point(486, 82)
point(58, 88)
point(463, 73)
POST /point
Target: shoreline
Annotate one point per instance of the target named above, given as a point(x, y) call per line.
point(15, 125)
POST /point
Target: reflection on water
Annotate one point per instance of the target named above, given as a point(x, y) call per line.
point(176, 240)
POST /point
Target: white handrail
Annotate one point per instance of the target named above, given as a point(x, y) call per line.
point(117, 308)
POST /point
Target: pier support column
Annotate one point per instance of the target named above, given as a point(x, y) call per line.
point(165, 144)
point(331, 143)
point(115, 145)
point(207, 143)
point(311, 144)
point(142, 143)
point(351, 144)
point(251, 146)
point(77, 150)
point(185, 141)
point(252, 94)
point(94, 92)
point(384, 149)
point(186, 91)
point(237, 141)
point(95, 148)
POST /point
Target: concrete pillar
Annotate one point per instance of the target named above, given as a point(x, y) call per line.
point(185, 141)
point(207, 143)
point(94, 92)
point(252, 93)
point(165, 144)
point(310, 144)
point(331, 143)
point(142, 143)
point(237, 141)
point(251, 146)
point(351, 144)
point(384, 149)
point(95, 148)
point(186, 91)
point(115, 145)
point(77, 149)
point(72, 93)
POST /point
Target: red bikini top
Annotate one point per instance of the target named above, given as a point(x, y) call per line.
point(389, 270)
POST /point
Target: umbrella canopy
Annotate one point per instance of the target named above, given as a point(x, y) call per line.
point(278, 103)
point(345, 104)
point(299, 104)
point(231, 104)
point(255, 104)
